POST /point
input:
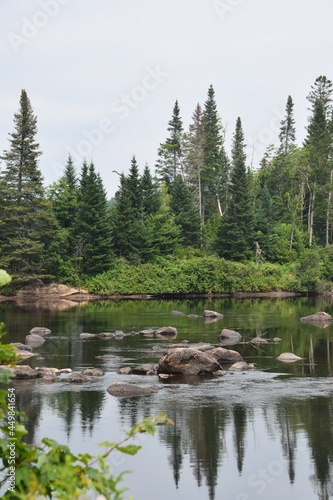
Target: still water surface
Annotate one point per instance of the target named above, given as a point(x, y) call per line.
point(263, 434)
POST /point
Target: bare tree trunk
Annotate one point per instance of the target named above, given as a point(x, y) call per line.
point(329, 211)
point(219, 209)
point(311, 216)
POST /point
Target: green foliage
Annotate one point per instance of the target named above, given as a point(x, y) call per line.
point(309, 271)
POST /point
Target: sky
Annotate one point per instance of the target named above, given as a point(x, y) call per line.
point(103, 76)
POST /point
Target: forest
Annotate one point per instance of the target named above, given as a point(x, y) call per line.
point(202, 222)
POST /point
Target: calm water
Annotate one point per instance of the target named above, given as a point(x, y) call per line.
point(264, 434)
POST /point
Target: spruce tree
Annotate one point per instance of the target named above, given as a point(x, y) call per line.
point(28, 228)
point(287, 134)
point(216, 165)
point(170, 153)
point(235, 239)
point(92, 245)
point(151, 200)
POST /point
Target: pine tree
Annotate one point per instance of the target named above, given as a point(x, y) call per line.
point(28, 228)
point(216, 166)
point(235, 237)
point(92, 230)
point(170, 153)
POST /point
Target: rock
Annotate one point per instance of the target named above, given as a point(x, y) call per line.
point(277, 339)
point(25, 354)
point(124, 390)
point(40, 330)
point(86, 336)
point(148, 332)
point(118, 335)
point(177, 313)
point(211, 314)
point(241, 365)
point(93, 372)
point(318, 317)
point(201, 346)
point(147, 369)
point(34, 340)
point(288, 357)
point(77, 378)
point(259, 340)
point(65, 370)
point(167, 331)
point(105, 335)
point(125, 370)
point(193, 316)
point(24, 372)
point(187, 361)
point(20, 346)
point(51, 377)
point(44, 370)
point(219, 373)
point(225, 356)
point(230, 335)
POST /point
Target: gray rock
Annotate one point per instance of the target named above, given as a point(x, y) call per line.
point(44, 370)
point(277, 339)
point(259, 340)
point(241, 365)
point(106, 357)
point(177, 313)
point(40, 330)
point(124, 390)
point(49, 378)
point(288, 357)
point(77, 378)
point(86, 336)
point(93, 372)
point(318, 317)
point(24, 372)
point(167, 331)
point(230, 335)
point(187, 361)
point(219, 373)
point(147, 369)
point(20, 346)
point(225, 356)
point(34, 340)
point(211, 314)
point(66, 370)
point(193, 316)
point(105, 335)
point(148, 332)
point(118, 335)
point(125, 370)
point(25, 354)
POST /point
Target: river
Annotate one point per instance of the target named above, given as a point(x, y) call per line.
point(259, 434)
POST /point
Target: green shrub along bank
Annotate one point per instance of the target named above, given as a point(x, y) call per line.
point(197, 275)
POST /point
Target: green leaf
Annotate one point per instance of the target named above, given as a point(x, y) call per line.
point(130, 449)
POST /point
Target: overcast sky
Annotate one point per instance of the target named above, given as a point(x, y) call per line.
point(103, 75)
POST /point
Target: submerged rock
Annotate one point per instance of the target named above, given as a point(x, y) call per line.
point(241, 365)
point(288, 357)
point(187, 361)
point(24, 372)
point(318, 317)
point(149, 332)
point(105, 335)
point(77, 378)
point(147, 369)
point(124, 390)
point(211, 314)
point(85, 336)
point(44, 370)
point(93, 372)
point(167, 331)
point(259, 340)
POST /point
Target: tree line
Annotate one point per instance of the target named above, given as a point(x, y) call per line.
point(199, 201)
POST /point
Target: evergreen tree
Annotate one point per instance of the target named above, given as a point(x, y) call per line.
point(151, 201)
point(287, 134)
point(170, 153)
point(64, 196)
point(92, 228)
point(28, 228)
point(216, 166)
point(235, 237)
point(184, 210)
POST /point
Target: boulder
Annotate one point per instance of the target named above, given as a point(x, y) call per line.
point(193, 316)
point(21, 346)
point(86, 336)
point(40, 330)
point(318, 317)
point(34, 340)
point(118, 335)
point(259, 340)
point(49, 378)
point(148, 332)
point(229, 337)
point(65, 370)
point(125, 370)
point(225, 356)
point(25, 354)
point(288, 357)
point(93, 372)
point(106, 335)
point(24, 372)
point(177, 313)
point(167, 331)
point(147, 369)
point(42, 371)
point(241, 365)
point(187, 361)
point(211, 314)
point(77, 378)
point(124, 390)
